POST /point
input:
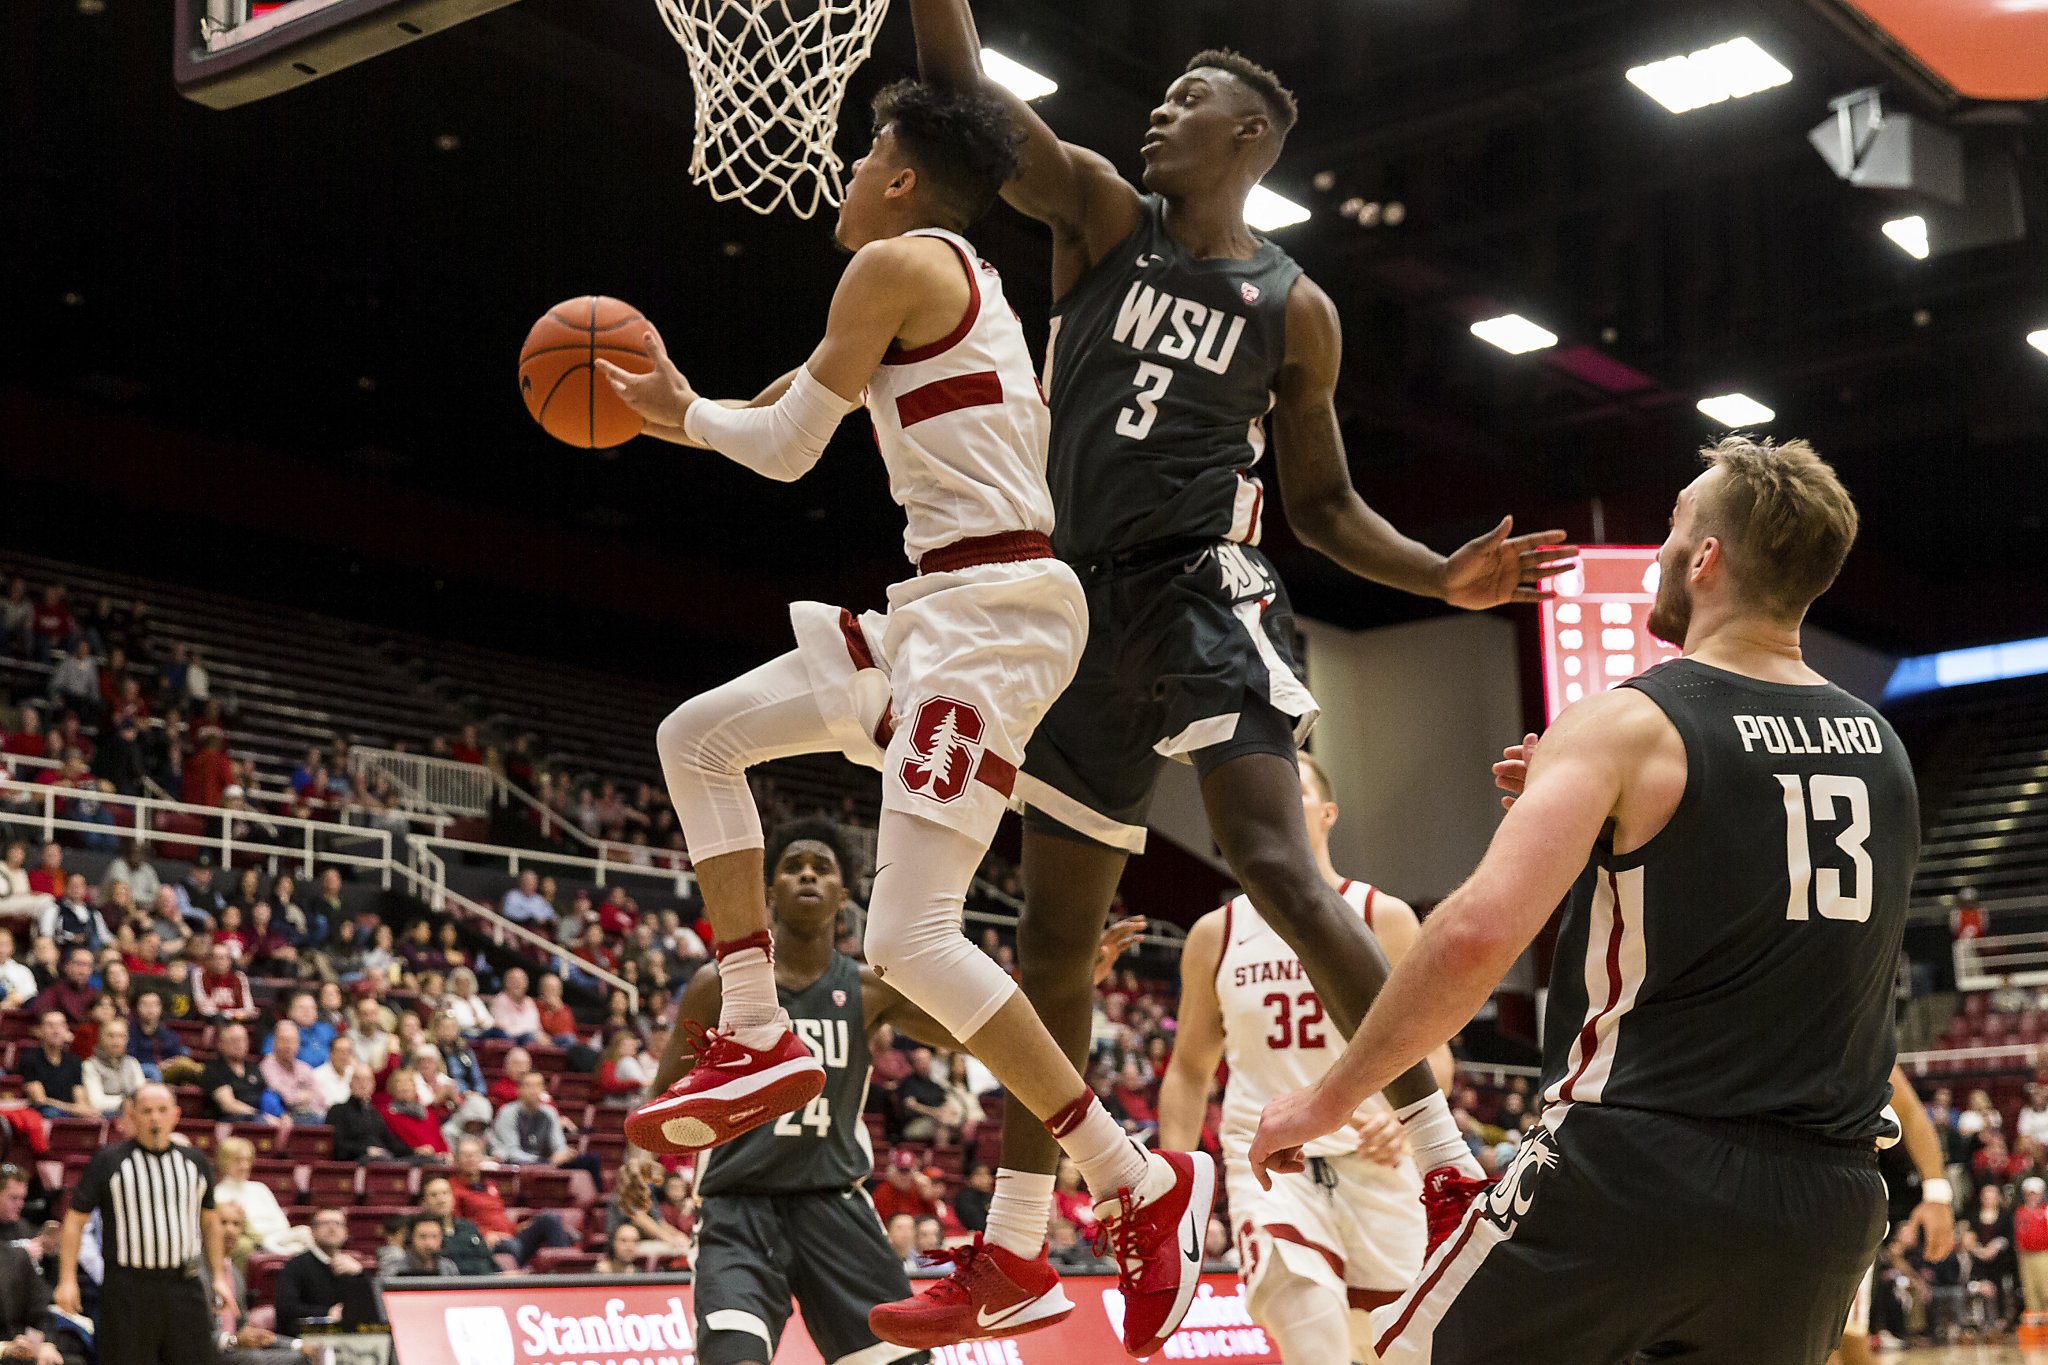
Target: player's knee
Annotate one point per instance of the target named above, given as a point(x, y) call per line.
point(1286, 888)
point(687, 736)
point(1051, 946)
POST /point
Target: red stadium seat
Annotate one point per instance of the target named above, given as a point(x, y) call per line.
point(609, 1148)
point(386, 1182)
point(201, 1133)
point(332, 1183)
point(604, 1118)
point(564, 1261)
point(262, 1275)
point(545, 1187)
point(574, 1088)
point(75, 1135)
point(191, 1101)
point(282, 1178)
point(17, 1024)
point(366, 1223)
point(310, 1143)
point(261, 1136)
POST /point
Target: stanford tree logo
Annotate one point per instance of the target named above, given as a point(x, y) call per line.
point(944, 742)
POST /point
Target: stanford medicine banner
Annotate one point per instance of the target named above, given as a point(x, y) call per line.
point(651, 1321)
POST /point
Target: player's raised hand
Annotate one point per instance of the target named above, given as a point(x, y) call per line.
point(1117, 940)
point(662, 395)
point(1512, 772)
point(1287, 1125)
point(1489, 570)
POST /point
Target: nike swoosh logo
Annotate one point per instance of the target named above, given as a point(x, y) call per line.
point(742, 1115)
point(1193, 1250)
point(985, 1320)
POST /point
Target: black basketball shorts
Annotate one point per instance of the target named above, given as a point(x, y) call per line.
point(824, 1248)
point(1190, 655)
point(1622, 1235)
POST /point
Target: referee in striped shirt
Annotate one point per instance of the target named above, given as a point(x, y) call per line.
point(155, 1201)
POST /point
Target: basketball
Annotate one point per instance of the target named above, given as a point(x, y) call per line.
point(559, 381)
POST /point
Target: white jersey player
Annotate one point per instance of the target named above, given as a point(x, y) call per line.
point(940, 692)
point(1325, 1246)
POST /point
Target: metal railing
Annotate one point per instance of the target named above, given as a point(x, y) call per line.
point(1993, 1056)
point(1995, 960)
point(318, 841)
point(610, 852)
point(425, 872)
point(439, 784)
point(681, 879)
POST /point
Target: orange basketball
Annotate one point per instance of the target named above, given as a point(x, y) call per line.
point(559, 382)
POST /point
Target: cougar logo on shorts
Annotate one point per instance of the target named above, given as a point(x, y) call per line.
point(943, 743)
point(1515, 1191)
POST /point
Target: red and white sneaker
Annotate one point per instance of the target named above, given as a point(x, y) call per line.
point(991, 1293)
point(1446, 1193)
point(731, 1088)
point(1157, 1247)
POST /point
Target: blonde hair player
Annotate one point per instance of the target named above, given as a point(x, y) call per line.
point(940, 692)
point(1734, 839)
point(1322, 1248)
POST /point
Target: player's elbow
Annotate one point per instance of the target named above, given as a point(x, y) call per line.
point(1472, 942)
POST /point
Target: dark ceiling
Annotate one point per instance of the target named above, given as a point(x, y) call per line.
point(336, 281)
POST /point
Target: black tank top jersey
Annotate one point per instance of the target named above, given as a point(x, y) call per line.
point(1160, 370)
point(824, 1145)
point(1741, 964)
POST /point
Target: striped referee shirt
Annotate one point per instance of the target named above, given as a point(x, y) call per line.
point(149, 1203)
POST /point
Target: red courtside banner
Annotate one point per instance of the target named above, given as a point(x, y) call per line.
point(650, 1320)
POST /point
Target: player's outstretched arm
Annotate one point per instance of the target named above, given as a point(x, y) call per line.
point(1934, 1217)
point(1574, 786)
point(1198, 1039)
point(1076, 192)
point(885, 286)
point(1394, 924)
point(1326, 511)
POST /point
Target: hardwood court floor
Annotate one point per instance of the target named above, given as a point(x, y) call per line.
point(2003, 1354)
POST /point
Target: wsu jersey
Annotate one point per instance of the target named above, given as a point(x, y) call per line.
point(1161, 370)
point(824, 1145)
point(1742, 963)
point(961, 423)
point(1275, 1037)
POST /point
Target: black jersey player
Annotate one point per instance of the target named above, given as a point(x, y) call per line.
point(1737, 839)
point(1176, 332)
point(782, 1211)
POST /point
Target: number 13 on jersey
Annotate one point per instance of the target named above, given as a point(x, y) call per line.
point(1822, 887)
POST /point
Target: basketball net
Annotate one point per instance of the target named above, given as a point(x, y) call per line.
point(770, 76)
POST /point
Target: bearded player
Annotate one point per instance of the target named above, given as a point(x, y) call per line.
point(941, 693)
point(1176, 331)
point(1322, 1248)
point(1736, 837)
point(781, 1212)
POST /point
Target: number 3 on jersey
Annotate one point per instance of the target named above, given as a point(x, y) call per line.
point(1152, 379)
point(817, 1114)
point(1823, 886)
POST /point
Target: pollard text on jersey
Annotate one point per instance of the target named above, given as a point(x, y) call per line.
point(1828, 735)
point(1206, 335)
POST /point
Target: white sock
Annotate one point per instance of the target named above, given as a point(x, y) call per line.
point(1434, 1136)
point(1108, 1159)
point(1018, 1213)
point(746, 982)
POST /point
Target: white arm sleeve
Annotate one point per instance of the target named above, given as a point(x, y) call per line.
point(781, 441)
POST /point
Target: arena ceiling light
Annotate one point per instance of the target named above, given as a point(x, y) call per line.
point(1514, 334)
point(1015, 77)
point(2039, 340)
point(1269, 212)
point(1736, 410)
point(1713, 75)
point(1909, 235)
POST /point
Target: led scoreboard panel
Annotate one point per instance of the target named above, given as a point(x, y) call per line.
point(1596, 631)
point(228, 52)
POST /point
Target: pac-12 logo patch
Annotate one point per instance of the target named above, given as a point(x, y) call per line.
point(1250, 291)
point(945, 739)
point(839, 999)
